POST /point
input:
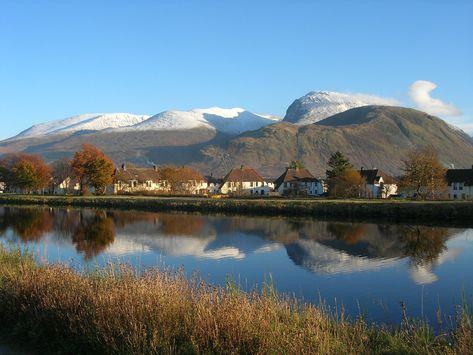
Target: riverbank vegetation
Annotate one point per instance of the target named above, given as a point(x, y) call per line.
point(56, 309)
point(449, 212)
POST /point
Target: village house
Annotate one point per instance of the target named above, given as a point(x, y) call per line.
point(298, 182)
point(2, 187)
point(378, 184)
point(135, 180)
point(244, 181)
point(67, 186)
point(460, 183)
point(213, 184)
point(166, 180)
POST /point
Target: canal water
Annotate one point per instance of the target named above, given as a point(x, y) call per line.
point(365, 268)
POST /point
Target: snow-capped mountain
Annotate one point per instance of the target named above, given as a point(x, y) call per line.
point(86, 122)
point(318, 105)
point(233, 121)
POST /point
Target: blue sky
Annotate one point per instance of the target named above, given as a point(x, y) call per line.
point(61, 58)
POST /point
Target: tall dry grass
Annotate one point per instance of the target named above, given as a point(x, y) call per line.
point(114, 311)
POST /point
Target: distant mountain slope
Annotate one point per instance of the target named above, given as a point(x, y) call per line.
point(168, 137)
point(371, 136)
point(233, 121)
point(86, 122)
point(318, 105)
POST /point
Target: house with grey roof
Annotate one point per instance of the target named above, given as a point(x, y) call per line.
point(378, 184)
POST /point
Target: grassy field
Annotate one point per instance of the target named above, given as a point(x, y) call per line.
point(57, 310)
point(403, 210)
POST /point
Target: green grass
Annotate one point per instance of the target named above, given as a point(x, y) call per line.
point(113, 310)
point(399, 210)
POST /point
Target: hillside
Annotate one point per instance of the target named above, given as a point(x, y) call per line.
point(318, 105)
point(371, 136)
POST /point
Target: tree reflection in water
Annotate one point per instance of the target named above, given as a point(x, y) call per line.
point(28, 224)
point(316, 245)
point(93, 234)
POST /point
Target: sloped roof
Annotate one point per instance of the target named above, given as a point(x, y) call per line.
point(295, 175)
point(213, 180)
point(243, 174)
point(460, 175)
point(139, 174)
point(372, 176)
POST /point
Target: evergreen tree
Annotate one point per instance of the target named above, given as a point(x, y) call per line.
point(339, 163)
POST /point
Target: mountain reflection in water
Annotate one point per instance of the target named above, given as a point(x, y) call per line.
point(319, 247)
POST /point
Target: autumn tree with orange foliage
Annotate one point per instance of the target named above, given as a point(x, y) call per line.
point(25, 172)
point(424, 175)
point(92, 167)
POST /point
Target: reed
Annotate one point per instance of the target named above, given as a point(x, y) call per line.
point(115, 311)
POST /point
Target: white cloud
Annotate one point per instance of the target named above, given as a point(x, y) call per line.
point(375, 100)
point(420, 91)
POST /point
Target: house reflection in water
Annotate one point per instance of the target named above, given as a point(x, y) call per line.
point(319, 247)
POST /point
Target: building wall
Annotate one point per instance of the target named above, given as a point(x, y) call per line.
point(245, 188)
point(312, 188)
point(460, 191)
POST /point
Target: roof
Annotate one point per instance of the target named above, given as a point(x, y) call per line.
point(139, 174)
point(243, 174)
point(372, 176)
point(213, 180)
point(460, 175)
point(295, 175)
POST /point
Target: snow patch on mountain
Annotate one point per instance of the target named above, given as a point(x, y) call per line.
point(318, 105)
point(232, 121)
point(85, 122)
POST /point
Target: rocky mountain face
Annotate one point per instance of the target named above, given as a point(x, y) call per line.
point(168, 137)
point(371, 136)
point(215, 139)
point(318, 105)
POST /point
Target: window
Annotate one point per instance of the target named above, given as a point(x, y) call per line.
point(251, 184)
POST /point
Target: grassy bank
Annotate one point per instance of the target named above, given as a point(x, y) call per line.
point(442, 211)
point(113, 311)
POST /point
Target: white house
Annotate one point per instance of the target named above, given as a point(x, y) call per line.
point(2, 187)
point(244, 181)
point(378, 183)
point(132, 180)
point(460, 183)
point(213, 184)
point(175, 180)
point(64, 187)
point(298, 182)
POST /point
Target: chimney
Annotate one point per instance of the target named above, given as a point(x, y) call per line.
point(361, 169)
point(124, 167)
point(241, 167)
point(155, 168)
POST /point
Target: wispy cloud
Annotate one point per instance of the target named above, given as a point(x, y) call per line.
point(375, 100)
point(420, 91)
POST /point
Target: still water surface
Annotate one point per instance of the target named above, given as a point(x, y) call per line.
point(367, 268)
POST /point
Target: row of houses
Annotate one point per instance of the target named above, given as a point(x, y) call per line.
point(247, 181)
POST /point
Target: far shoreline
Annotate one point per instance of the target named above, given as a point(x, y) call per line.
point(438, 212)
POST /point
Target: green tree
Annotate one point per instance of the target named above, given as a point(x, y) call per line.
point(338, 164)
point(296, 164)
point(91, 166)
